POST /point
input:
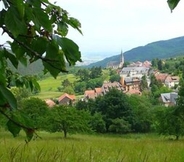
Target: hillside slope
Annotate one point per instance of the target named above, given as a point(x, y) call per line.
point(160, 49)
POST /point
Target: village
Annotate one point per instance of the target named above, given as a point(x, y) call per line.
point(129, 83)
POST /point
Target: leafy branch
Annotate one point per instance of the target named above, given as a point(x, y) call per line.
point(33, 52)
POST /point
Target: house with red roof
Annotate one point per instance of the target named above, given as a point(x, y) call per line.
point(92, 94)
point(167, 79)
point(50, 103)
point(66, 99)
point(161, 77)
point(172, 81)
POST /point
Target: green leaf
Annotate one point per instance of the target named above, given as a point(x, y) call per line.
point(62, 60)
point(42, 19)
point(9, 97)
point(13, 128)
point(2, 16)
point(52, 54)
point(172, 4)
point(70, 49)
point(29, 134)
point(19, 52)
point(62, 29)
point(2, 79)
point(75, 24)
point(20, 120)
point(12, 58)
point(39, 45)
point(3, 102)
point(20, 7)
point(13, 22)
point(34, 3)
point(36, 85)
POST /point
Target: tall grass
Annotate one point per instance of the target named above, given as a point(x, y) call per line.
point(91, 148)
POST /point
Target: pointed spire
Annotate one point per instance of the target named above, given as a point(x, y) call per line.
point(121, 59)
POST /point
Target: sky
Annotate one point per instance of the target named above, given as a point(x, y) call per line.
point(110, 26)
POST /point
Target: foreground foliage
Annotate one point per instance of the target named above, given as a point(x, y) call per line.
point(37, 31)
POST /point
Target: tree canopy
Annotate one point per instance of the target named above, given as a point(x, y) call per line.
point(37, 31)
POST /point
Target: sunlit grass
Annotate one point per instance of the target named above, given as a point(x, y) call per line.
point(47, 95)
point(49, 86)
point(88, 148)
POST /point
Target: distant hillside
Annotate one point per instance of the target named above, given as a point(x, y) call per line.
point(160, 49)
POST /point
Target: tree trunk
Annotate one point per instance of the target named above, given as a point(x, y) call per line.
point(65, 133)
point(177, 137)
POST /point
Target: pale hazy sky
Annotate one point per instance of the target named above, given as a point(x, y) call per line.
point(112, 25)
point(115, 25)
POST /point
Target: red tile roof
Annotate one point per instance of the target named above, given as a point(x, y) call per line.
point(161, 76)
point(90, 94)
point(98, 90)
point(134, 91)
point(50, 103)
point(71, 97)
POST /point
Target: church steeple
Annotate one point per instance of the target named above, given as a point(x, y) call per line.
point(122, 57)
point(121, 60)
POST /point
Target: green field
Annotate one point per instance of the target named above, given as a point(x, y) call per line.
point(91, 148)
point(49, 86)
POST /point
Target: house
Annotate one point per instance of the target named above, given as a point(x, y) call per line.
point(133, 91)
point(172, 81)
point(50, 103)
point(98, 91)
point(147, 64)
point(169, 99)
point(137, 72)
point(167, 79)
point(140, 64)
point(66, 99)
point(92, 94)
point(108, 85)
point(161, 77)
point(131, 85)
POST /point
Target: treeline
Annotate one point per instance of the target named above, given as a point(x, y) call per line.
point(88, 79)
point(114, 112)
point(172, 65)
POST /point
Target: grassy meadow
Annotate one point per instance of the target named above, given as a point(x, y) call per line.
point(49, 86)
point(90, 148)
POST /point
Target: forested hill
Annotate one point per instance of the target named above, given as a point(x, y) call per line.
point(160, 49)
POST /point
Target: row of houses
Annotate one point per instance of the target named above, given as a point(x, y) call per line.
point(91, 94)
